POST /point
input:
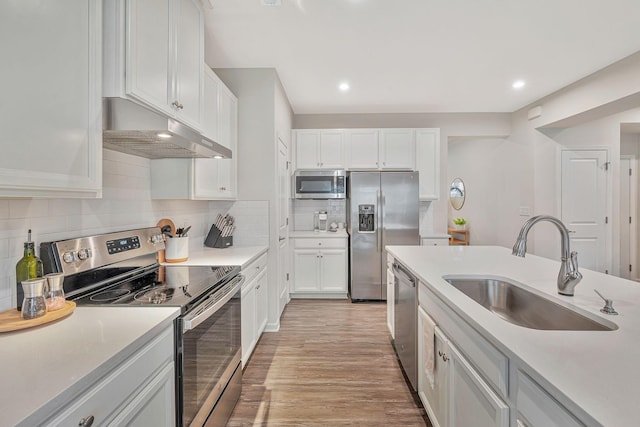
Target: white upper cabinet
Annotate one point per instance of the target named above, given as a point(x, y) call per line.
point(189, 52)
point(52, 120)
point(204, 179)
point(320, 149)
point(227, 117)
point(428, 163)
point(380, 149)
point(363, 148)
point(220, 112)
point(210, 107)
point(396, 149)
point(154, 53)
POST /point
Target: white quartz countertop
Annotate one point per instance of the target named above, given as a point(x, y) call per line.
point(593, 373)
point(340, 234)
point(229, 256)
point(44, 367)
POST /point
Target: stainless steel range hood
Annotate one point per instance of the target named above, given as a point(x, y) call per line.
point(133, 129)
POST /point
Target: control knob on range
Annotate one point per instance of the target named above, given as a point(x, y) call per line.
point(69, 257)
point(157, 238)
point(84, 254)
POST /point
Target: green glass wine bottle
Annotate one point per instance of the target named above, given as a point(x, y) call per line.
point(29, 267)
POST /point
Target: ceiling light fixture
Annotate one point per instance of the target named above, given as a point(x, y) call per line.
point(344, 87)
point(218, 157)
point(518, 84)
point(271, 2)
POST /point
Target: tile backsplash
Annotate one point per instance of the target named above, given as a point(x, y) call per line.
point(303, 211)
point(126, 204)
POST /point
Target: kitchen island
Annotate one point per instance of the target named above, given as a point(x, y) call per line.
point(51, 371)
point(591, 374)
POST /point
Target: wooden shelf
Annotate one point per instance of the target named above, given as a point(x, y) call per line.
point(458, 237)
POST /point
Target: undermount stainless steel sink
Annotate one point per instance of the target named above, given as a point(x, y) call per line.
point(521, 307)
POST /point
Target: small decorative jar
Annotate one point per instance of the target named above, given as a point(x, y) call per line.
point(54, 296)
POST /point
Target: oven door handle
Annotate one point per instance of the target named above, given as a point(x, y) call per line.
point(208, 308)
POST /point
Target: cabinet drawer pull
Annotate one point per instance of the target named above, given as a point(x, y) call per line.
point(86, 421)
point(177, 105)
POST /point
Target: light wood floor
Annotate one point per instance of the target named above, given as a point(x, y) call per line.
point(331, 364)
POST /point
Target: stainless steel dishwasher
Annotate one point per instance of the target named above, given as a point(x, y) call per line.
point(406, 321)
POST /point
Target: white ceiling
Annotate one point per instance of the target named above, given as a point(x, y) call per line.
point(421, 55)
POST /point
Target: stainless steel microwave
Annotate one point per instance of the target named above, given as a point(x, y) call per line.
point(320, 184)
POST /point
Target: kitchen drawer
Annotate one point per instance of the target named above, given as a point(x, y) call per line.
point(536, 408)
point(488, 360)
point(253, 269)
point(107, 398)
point(430, 241)
point(320, 243)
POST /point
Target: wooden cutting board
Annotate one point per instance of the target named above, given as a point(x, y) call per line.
point(10, 320)
point(162, 223)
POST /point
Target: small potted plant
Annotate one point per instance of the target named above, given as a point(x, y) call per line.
point(460, 223)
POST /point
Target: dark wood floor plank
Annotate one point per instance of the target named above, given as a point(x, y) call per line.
point(331, 364)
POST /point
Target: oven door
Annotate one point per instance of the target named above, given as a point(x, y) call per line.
point(208, 356)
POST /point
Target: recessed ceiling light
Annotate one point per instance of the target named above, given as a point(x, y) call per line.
point(271, 2)
point(518, 84)
point(344, 86)
point(164, 135)
point(218, 157)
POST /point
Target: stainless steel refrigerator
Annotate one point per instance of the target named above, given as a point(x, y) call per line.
point(383, 210)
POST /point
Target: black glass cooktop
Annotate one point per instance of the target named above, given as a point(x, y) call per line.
point(171, 285)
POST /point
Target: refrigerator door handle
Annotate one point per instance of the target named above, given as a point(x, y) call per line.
point(383, 227)
point(379, 219)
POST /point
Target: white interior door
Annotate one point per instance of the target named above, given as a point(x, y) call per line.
point(628, 237)
point(584, 205)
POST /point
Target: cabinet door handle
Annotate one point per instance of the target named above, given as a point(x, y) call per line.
point(86, 421)
point(257, 287)
point(177, 105)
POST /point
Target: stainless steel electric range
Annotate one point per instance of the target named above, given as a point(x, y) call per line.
point(121, 269)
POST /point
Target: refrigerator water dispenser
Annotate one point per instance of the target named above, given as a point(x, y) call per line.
point(366, 218)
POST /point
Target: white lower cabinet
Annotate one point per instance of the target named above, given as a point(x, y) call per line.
point(475, 383)
point(320, 267)
point(390, 302)
point(139, 392)
point(536, 408)
point(254, 308)
point(433, 387)
point(471, 401)
point(453, 392)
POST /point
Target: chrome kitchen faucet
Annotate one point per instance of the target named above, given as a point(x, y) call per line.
point(569, 276)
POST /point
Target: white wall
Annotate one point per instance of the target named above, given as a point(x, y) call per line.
point(126, 204)
point(264, 113)
point(490, 169)
point(584, 129)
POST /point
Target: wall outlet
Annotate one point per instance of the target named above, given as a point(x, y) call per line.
point(525, 211)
